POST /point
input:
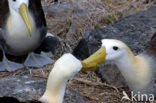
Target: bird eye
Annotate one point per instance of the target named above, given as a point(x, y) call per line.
point(14, 0)
point(115, 48)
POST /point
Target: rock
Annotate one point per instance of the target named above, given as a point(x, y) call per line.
point(26, 88)
point(22, 87)
point(135, 30)
point(82, 50)
point(72, 96)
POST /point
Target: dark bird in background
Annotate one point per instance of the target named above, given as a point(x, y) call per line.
point(22, 30)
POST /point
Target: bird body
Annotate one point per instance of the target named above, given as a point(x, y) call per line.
point(17, 36)
point(22, 30)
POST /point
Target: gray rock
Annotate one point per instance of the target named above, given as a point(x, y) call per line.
point(26, 88)
point(58, 7)
point(22, 87)
point(135, 30)
point(72, 96)
point(66, 9)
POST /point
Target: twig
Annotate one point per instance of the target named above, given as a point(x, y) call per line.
point(95, 83)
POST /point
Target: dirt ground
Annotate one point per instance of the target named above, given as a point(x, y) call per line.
point(88, 83)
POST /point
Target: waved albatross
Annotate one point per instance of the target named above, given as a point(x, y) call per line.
point(139, 71)
point(22, 30)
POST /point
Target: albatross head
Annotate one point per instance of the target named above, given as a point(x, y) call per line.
point(16, 4)
point(67, 66)
point(21, 7)
point(111, 50)
point(115, 49)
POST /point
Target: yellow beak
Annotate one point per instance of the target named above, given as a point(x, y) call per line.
point(92, 62)
point(24, 14)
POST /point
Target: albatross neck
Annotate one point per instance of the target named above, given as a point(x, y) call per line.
point(135, 70)
point(55, 88)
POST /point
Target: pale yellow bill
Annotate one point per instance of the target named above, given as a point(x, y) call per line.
point(24, 14)
point(92, 62)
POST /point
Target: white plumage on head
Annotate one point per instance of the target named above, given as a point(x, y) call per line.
point(15, 4)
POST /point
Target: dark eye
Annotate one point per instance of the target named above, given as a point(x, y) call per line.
point(14, 0)
point(115, 48)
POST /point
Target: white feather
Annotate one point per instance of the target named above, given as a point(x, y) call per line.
point(64, 68)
